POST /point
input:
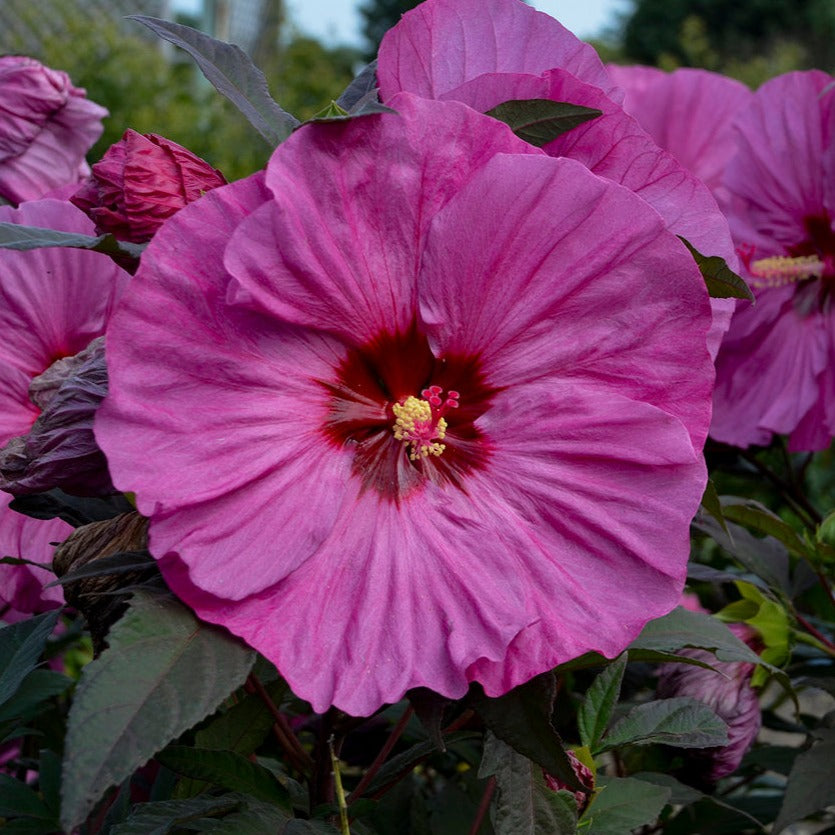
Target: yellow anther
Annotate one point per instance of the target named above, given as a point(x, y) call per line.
point(417, 428)
point(780, 270)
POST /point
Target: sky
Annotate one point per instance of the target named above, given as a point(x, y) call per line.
point(336, 21)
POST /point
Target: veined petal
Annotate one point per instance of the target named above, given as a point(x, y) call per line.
point(578, 280)
point(443, 43)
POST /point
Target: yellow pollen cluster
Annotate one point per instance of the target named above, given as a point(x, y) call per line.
point(416, 427)
point(780, 270)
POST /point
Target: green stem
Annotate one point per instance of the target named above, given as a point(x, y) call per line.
point(344, 828)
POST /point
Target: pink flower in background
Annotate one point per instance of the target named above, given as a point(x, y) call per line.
point(776, 367)
point(423, 406)
point(485, 52)
point(53, 302)
point(140, 182)
point(688, 112)
point(46, 128)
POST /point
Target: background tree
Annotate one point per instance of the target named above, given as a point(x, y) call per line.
point(378, 16)
point(752, 39)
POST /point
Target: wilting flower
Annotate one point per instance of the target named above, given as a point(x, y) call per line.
point(53, 302)
point(688, 112)
point(485, 52)
point(420, 407)
point(140, 182)
point(776, 367)
point(46, 128)
point(60, 449)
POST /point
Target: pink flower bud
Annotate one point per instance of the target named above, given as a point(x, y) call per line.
point(727, 691)
point(582, 773)
point(46, 128)
point(140, 182)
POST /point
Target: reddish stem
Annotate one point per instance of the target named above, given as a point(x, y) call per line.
point(483, 806)
point(375, 766)
point(301, 760)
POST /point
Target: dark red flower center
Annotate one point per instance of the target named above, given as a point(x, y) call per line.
point(409, 415)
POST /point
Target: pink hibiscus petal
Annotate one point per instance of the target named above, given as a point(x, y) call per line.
point(569, 269)
point(608, 525)
point(334, 229)
point(22, 587)
point(443, 43)
point(688, 112)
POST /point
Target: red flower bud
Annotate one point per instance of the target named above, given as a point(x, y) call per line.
point(140, 182)
point(583, 773)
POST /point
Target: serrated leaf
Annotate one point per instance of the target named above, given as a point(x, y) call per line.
point(623, 804)
point(522, 719)
point(540, 121)
point(682, 722)
point(21, 645)
point(232, 74)
point(810, 787)
point(226, 769)
point(722, 282)
point(682, 628)
point(161, 817)
point(37, 687)
point(163, 671)
point(19, 237)
point(596, 710)
point(524, 804)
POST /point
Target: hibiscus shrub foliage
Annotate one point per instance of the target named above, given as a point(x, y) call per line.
point(467, 469)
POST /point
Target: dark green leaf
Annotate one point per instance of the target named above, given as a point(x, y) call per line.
point(19, 800)
point(360, 87)
point(163, 671)
point(682, 628)
point(683, 722)
point(680, 794)
point(540, 121)
point(755, 515)
point(19, 237)
point(522, 719)
point(596, 710)
point(429, 707)
point(21, 645)
point(711, 503)
point(232, 74)
point(623, 804)
point(779, 758)
point(722, 282)
point(74, 510)
point(810, 787)
point(403, 763)
point(242, 727)
point(31, 826)
point(37, 687)
point(122, 562)
point(49, 781)
point(524, 804)
point(161, 817)
point(226, 769)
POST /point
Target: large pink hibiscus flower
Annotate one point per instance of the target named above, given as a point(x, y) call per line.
point(53, 302)
point(423, 406)
point(46, 128)
point(776, 367)
point(484, 52)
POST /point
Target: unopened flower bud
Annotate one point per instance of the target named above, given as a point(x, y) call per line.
point(582, 773)
point(140, 182)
